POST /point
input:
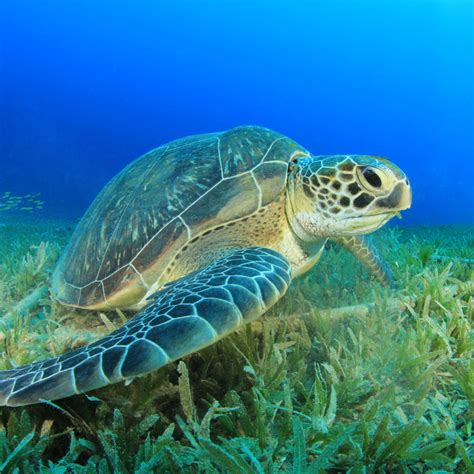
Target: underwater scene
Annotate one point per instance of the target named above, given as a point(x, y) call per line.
point(237, 236)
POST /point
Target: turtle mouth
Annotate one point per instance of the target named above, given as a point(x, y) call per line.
point(369, 223)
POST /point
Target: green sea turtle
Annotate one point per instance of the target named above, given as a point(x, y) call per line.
point(205, 234)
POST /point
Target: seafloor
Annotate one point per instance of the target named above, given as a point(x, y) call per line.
point(382, 387)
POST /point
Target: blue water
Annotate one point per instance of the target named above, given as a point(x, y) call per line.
point(87, 86)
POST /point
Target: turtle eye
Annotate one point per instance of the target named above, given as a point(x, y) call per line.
point(372, 178)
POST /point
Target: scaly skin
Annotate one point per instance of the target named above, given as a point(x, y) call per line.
point(369, 256)
point(184, 317)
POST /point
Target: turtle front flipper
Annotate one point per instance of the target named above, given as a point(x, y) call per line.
point(184, 317)
point(368, 255)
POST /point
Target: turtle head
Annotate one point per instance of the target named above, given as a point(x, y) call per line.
point(344, 195)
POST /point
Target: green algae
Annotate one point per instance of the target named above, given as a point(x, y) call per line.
point(303, 390)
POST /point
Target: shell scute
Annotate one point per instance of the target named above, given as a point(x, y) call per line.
point(241, 148)
point(166, 198)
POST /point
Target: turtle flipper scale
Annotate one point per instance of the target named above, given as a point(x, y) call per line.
point(365, 251)
point(184, 317)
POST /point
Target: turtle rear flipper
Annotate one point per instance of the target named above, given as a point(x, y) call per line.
point(186, 316)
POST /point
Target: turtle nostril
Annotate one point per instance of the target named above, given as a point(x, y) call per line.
point(372, 177)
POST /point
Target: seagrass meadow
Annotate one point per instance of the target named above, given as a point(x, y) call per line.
point(343, 375)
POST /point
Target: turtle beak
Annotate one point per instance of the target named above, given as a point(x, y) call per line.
point(406, 199)
point(403, 193)
point(398, 200)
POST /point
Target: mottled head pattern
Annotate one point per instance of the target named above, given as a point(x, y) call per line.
point(344, 194)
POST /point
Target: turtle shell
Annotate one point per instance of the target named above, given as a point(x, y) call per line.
point(159, 202)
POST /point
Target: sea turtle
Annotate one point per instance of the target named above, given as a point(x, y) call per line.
point(205, 234)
